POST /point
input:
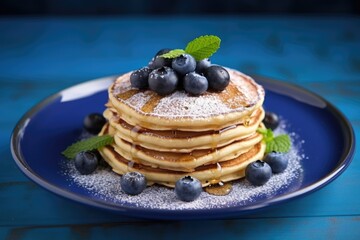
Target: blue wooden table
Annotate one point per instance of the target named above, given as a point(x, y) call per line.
point(41, 56)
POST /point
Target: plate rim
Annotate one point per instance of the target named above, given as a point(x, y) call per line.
point(344, 161)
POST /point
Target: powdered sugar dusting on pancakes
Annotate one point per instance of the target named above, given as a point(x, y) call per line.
point(105, 185)
point(181, 104)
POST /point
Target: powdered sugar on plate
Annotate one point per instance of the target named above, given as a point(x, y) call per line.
point(105, 185)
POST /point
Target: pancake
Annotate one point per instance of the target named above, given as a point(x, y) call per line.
point(212, 137)
point(181, 111)
point(207, 175)
point(183, 141)
point(186, 162)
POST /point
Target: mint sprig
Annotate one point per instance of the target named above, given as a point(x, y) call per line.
point(200, 48)
point(89, 144)
point(280, 143)
point(173, 53)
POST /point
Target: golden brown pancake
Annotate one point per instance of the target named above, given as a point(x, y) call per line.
point(183, 141)
point(181, 111)
point(208, 174)
point(212, 137)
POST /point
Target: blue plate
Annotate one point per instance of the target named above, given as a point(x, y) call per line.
point(56, 122)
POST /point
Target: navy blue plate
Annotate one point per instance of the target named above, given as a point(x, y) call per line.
point(56, 122)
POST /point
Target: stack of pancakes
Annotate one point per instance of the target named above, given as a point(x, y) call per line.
point(211, 137)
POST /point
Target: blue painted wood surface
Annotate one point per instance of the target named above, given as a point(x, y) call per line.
point(39, 57)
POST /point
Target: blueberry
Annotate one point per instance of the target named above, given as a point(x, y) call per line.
point(94, 122)
point(163, 80)
point(202, 65)
point(101, 161)
point(139, 78)
point(195, 84)
point(187, 189)
point(218, 77)
point(271, 120)
point(258, 172)
point(277, 161)
point(184, 64)
point(158, 62)
point(86, 162)
point(133, 183)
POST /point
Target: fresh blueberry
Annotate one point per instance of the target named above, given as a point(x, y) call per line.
point(258, 172)
point(133, 183)
point(277, 161)
point(195, 84)
point(218, 77)
point(139, 78)
point(184, 64)
point(94, 122)
point(271, 120)
point(188, 189)
point(163, 80)
point(86, 162)
point(158, 62)
point(101, 161)
point(202, 65)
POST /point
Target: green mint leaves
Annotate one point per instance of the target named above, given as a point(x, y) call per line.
point(200, 48)
point(203, 47)
point(87, 145)
point(173, 53)
point(280, 144)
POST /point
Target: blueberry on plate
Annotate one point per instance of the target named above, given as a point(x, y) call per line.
point(86, 162)
point(94, 122)
point(218, 77)
point(133, 183)
point(202, 65)
point(184, 64)
point(163, 80)
point(139, 78)
point(188, 189)
point(258, 173)
point(158, 62)
point(195, 83)
point(277, 161)
point(271, 120)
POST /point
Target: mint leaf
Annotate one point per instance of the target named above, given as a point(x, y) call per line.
point(280, 144)
point(87, 145)
point(173, 53)
point(203, 47)
point(267, 133)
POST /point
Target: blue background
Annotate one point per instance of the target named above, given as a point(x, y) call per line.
point(41, 56)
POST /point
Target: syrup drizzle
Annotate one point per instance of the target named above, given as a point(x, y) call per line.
point(247, 121)
point(220, 189)
point(128, 94)
point(217, 174)
point(150, 105)
point(228, 95)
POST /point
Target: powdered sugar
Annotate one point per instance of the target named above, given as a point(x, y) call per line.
point(181, 104)
point(104, 184)
point(242, 92)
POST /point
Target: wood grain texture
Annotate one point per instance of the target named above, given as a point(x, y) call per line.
point(260, 228)
point(39, 57)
